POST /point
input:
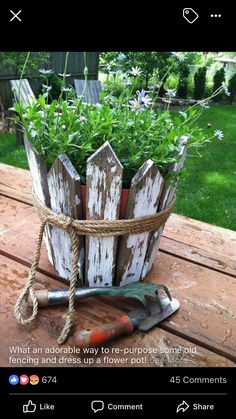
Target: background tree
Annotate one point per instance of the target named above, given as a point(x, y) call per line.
point(218, 79)
point(17, 59)
point(200, 83)
point(232, 89)
point(182, 89)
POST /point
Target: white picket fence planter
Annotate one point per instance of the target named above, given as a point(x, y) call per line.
point(103, 261)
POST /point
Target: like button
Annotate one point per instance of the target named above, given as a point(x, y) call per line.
point(30, 407)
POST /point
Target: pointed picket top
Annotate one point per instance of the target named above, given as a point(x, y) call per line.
point(104, 183)
point(145, 191)
point(38, 170)
point(66, 178)
point(104, 173)
point(166, 198)
point(64, 189)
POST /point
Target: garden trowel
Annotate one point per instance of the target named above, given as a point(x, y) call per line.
point(141, 318)
point(138, 290)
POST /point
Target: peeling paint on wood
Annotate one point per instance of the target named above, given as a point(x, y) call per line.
point(64, 189)
point(143, 200)
point(166, 197)
point(38, 170)
point(104, 182)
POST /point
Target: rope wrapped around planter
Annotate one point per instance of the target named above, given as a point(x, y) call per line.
point(75, 228)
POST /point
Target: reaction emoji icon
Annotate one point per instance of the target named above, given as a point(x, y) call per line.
point(24, 379)
point(13, 379)
point(34, 379)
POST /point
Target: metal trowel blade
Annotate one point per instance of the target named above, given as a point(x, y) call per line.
point(146, 322)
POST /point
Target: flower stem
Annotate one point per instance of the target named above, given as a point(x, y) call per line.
point(23, 72)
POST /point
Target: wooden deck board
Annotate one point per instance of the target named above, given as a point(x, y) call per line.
point(91, 312)
point(197, 262)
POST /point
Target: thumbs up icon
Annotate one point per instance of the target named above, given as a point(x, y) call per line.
point(30, 407)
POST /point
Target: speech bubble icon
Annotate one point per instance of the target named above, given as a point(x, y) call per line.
point(97, 405)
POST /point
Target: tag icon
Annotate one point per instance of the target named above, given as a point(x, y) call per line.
point(190, 15)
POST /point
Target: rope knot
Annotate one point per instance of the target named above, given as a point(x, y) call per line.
point(75, 228)
point(66, 222)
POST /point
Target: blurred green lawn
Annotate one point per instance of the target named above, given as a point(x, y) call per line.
point(207, 189)
point(12, 154)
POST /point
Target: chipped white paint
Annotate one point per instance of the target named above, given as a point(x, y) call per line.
point(77, 200)
point(38, 172)
point(64, 189)
point(104, 181)
point(166, 197)
point(144, 196)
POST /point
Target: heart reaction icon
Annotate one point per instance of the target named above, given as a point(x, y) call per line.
point(24, 379)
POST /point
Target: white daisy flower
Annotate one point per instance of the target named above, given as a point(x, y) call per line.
point(218, 134)
point(135, 71)
point(45, 72)
point(170, 93)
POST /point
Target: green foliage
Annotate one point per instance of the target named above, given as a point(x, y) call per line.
point(114, 87)
point(55, 82)
point(232, 89)
point(16, 60)
point(150, 63)
point(108, 61)
point(199, 83)
point(218, 79)
point(78, 130)
point(154, 66)
point(120, 87)
point(182, 89)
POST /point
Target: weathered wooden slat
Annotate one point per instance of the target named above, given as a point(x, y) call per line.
point(206, 245)
point(166, 197)
point(23, 91)
point(64, 190)
point(145, 191)
point(38, 170)
point(18, 91)
point(104, 182)
point(93, 90)
point(213, 246)
point(15, 183)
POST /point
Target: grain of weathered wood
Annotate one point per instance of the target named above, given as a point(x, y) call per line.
point(89, 313)
point(38, 170)
point(220, 242)
point(64, 190)
point(218, 262)
point(19, 228)
point(193, 240)
point(22, 91)
point(207, 303)
point(145, 191)
point(92, 93)
point(104, 182)
point(207, 313)
point(165, 199)
point(20, 225)
point(15, 183)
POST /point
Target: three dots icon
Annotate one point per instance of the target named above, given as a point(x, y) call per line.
point(215, 15)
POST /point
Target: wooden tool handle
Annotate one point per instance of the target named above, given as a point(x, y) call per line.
point(42, 297)
point(102, 334)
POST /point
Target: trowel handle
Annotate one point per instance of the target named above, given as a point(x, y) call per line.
point(102, 334)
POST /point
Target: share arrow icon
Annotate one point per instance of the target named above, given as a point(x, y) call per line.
point(182, 406)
